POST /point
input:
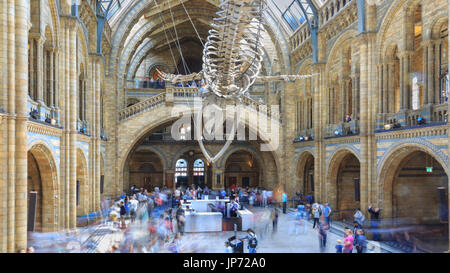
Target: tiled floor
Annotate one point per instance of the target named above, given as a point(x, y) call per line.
point(289, 238)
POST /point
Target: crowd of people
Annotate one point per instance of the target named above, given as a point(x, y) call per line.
point(161, 214)
point(354, 238)
point(154, 221)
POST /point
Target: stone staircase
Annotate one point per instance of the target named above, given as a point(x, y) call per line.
point(184, 95)
point(337, 227)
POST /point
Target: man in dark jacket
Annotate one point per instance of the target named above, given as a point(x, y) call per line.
point(374, 216)
point(123, 212)
point(180, 219)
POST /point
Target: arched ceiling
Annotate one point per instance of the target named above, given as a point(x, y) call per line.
point(142, 28)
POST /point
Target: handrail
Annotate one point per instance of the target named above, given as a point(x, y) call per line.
point(181, 92)
point(142, 106)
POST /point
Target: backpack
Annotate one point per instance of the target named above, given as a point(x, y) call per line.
point(253, 242)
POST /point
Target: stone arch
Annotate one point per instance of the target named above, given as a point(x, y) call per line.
point(84, 45)
point(303, 182)
point(145, 169)
point(150, 67)
point(126, 144)
point(234, 170)
point(161, 155)
point(234, 149)
point(401, 186)
point(55, 20)
point(395, 155)
point(418, 144)
point(344, 40)
point(342, 200)
point(48, 34)
point(435, 27)
point(390, 17)
point(47, 176)
point(83, 183)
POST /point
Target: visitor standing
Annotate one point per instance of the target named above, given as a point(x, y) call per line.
point(252, 240)
point(339, 246)
point(228, 248)
point(284, 199)
point(360, 241)
point(264, 198)
point(316, 213)
point(133, 207)
point(123, 212)
point(348, 241)
point(374, 216)
point(180, 219)
point(359, 217)
point(322, 230)
point(327, 213)
point(356, 227)
point(274, 220)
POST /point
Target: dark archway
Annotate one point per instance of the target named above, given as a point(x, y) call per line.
point(242, 170)
point(146, 170)
point(416, 201)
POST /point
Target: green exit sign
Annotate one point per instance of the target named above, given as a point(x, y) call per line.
point(429, 169)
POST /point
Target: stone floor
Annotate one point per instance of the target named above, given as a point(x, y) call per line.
point(289, 238)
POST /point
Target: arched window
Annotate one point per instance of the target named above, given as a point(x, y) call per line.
point(181, 168)
point(415, 92)
point(82, 95)
point(443, 64)
point(199, 167)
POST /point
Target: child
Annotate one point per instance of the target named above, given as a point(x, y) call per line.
point(228, 248)
point(339, 246)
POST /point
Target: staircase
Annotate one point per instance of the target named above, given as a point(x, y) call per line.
point(184, 95)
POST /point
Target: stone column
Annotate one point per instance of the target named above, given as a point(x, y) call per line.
point(354, 96)
point(218, 185)
point(342, 101)
point(11, 110)
point(40, 69)
point(71, 23)
point(364, 119)
point(405, 82)
point(31, 88)
point(287, 136)
point(386, 90)
point(169, 179)
point(21, 94)
point(52, 79)
point(67, 109)
point(435, 77)
point(97, 92)
point(448, 111)
point(320, 97)
point(4, 128)
point(429, 80)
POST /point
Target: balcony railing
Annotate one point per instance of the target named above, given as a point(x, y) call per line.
point(304, 135)
point(342, 129)
point(182, 95)
point(43, 113)
point(435, 114)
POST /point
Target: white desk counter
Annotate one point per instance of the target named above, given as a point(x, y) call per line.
point(247, 219)
point(202, 205)
point(203, 222)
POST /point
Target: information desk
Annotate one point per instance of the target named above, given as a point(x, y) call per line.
point(247, 219)
point(203, 222)
point(202, 205)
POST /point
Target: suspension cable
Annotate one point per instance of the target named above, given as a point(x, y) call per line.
point(167, 38)
point(198, 35)
point(177, 42)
